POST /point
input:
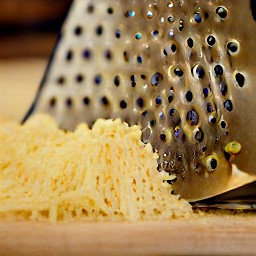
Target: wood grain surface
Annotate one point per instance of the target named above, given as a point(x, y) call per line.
point(204, 235)
point(208, 234)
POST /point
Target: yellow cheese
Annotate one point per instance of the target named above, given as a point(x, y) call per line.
point(103, 173)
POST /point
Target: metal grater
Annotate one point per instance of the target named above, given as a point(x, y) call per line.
point(183, 70)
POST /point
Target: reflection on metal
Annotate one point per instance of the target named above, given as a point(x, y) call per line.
point(242, 198)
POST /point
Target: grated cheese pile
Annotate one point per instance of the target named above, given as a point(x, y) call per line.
point(103, 173)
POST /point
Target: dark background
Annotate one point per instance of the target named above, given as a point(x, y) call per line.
point(29, 28)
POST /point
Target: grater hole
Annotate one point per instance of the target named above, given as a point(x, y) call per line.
point(190, 42)
point(189, 96)
point(79, 78)
point(199, 135)
point(52, 102)
point(178, 72)
point(198, 71)
point(87, 53)
point(69, 55)
point(118, 33)
point(99, 30)
point(240, 79)
point(105, 101)
point(90, 8)
point(228, 105)
point(117, 81)
point(218, 70)
point(192, 117)
point(210, 40)
point(98, 79)
point(156, 79)
point(158, 101)
point(61, 80)
point(78, 30)
point(110, 10)
point(123, 104)
point(209, 107)
point(86, 101)
point(140, 102)
point(108, 55)
point(233, 47)
point(223, 124)
point(223, 88)
point(197, 17)
point(221, 12)
point(69, 102)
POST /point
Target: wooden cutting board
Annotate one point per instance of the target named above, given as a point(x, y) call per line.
point(203, 235)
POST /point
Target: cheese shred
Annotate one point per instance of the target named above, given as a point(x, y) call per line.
point(103, 173)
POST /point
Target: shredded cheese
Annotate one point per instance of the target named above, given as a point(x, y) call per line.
point(103, 173)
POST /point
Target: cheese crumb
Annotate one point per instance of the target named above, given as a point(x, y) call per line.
point(103, 173)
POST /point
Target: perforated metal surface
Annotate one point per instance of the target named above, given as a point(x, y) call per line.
point(183, 70)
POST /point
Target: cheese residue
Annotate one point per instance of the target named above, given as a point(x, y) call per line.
point(103, 173)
